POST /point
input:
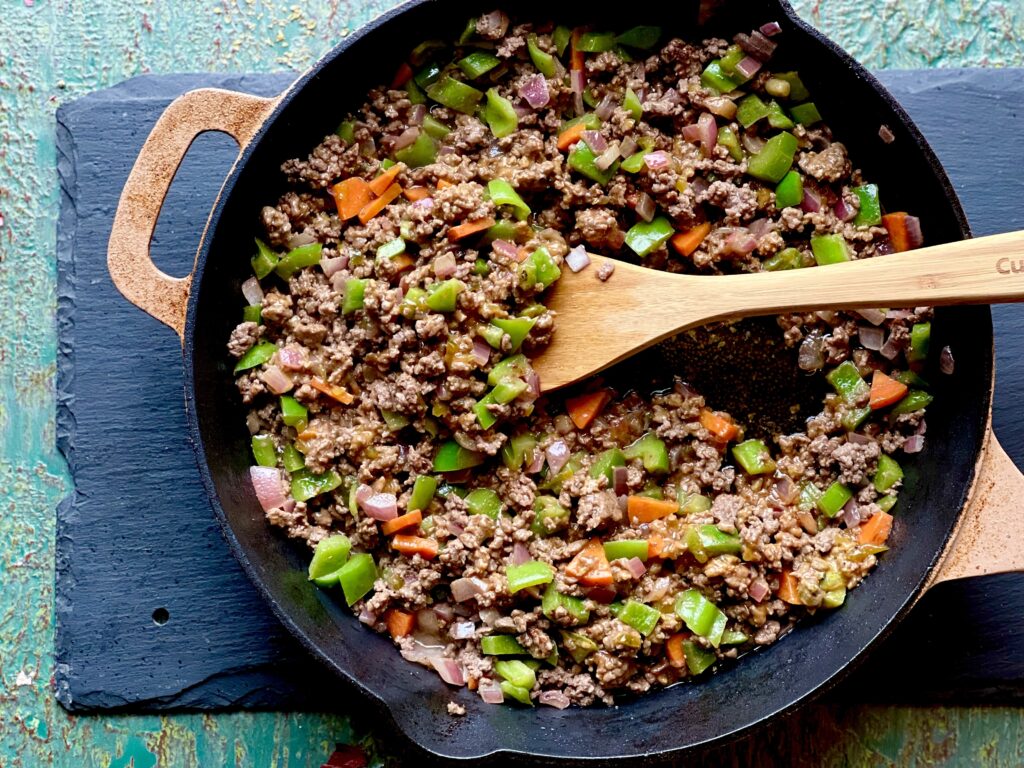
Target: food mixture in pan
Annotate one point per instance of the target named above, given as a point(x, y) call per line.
point(589, 544)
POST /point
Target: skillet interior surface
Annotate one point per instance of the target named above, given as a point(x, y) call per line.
point(762, 684)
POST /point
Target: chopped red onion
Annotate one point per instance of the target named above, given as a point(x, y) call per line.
point(533, 383)
point(595, 141)
point(555, 699)
point(446, 149)
point(277, 381)
point(291, 358)
point(657, 159)
point(490, 692)
point(423, 649)
point(619, 477)
point(771, 29)
point(870, 337)
point(444, 266)
point(623, 503)
point(843, 210)
point(405, 138)
point(454, 528)
point(722, 106)
point(748, 67)
point(915, 239)
point(922, 427)
point(252, 291)
point(535, 90)
point(899, 314)
point(885, 134)
point(577, 259)
point(444, 612)
point(756, 44)
point(463, 630)
point(424, 204)
point(366, 616)
point(760, 227)
point(576, 84)
point(811, 356)
point(522, 110)
point(269, 487)
point(297, 239)
point(691, 133)
point(489, 616)
point(496, 22)
point(851, 514)
point(645, 207)
point(872, 315)
point(505, 249)
point(536, 464)
point(417, 113)
point(758, 590)
point(557, 454)
point(812, 200)
point(606, 159)
point(753, 144)
point(520, 554)
point(740, 242)
point(636, 567)
point(890, 349)
point(449, 670)
point(859, 439)
point(946, 364)
point(914, 444)
point(331, 266)
point(605, 108)
point(786, 490)
point(467, 588)
point(380, 506)
point(627, 147)
point(698, 185)
point(708, 132)
point(884, 247)
point(428, 621)
point(481, 351)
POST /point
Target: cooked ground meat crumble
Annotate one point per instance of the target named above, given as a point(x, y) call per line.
point(567, 549)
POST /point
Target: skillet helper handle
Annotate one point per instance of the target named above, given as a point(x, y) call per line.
point(987, 539)
point(164, 297)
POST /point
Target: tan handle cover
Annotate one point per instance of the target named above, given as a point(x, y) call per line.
point(131, 268)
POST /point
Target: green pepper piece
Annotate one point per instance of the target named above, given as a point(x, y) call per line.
point(777, 117)
point(484, 415)
point(264, 261)
point(775, 158)
point(484, 501)
point(606, 462)
point(355, 292)
point(501, 645)
point(252, 314)
point(386, 163)
point(517, 328)
point(834, 598)
point(297, 258)
point(538, 269)
point(507, 390)
point(516, 672)
point(306, 485)
point(755, 458)
point(641, 37)
point(847, 381)
point(502, 193)
point(590, 121)
point(806, 114)
point(651, 449)
point(423, 490)
point(257, 354)
point(733, 56)
point(582, 159)
point(454, 94)
point(518, 450)
point(797, 90)
point(503, 230)
point(532, 573)
point(750, 110)
point(561, 37)
point(627, 548)
point(549, 516)
point(646, 237)
point(809, 495)
point(478, 63)
point(467, 32)
point(293, 413)
point(635, 162)
point(428, 75)
point(692, 503)
point(698, 659)
point(852, 418)
point(543, 61)
point(727, 138)
point(393, 420)
point(887, 475)
point(886, 502)
point(710, 541)
point(734, 637)
point(578, 645)
point(415, 93)
point(833, 499)
point(714, 78)
point(701, 615)
point(328, 557)
point(642, 618)
point(870, 213)
point(452, 457)
point(920, 342)
point(787, 258)
point(829, 249)
point(347, 131)
point(790, 191)
point(911, 379)
point(391, 248)
point(481, 268)
point(589, 98)
point(442, 297)
point(291, 459)
point(631, 103)
point(595, 42)
point(500, 114)
point(263, 450)
point(574, 606)
point(514, 367)
point(915, 400)
point(520, 694)
point(357, 576)
point(421, 152)
point(435, 128)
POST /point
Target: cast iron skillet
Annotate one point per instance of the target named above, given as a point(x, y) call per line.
point(668, 723)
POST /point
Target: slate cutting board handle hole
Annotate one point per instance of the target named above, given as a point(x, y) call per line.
point(161, 616)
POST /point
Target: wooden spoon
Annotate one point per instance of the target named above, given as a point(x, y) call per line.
point(600, 323)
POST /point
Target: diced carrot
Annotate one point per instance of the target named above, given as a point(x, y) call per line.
point(472, 683)
point(401, 262)
point(644, 509)
point(876, 530)
point(575, 54)
point(416, 193)
point(655, 545)
point(374, 207)
point(399, 623)
point(896, 225)
point(340, 394)
point(674, 650)
point(687, 242)
point(467, 228)
point(414, 545)
point(720, 425)
point(584, 408)
point(590, 567)
point(787, 588)
point(444, 184)
point(402, 76)
point(351, 195)
point(306, 434)
point(380, 184)
point(885, 390)
point(407, 520)
point(570, 136)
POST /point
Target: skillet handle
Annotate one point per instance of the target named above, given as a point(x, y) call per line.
point(987, 537)
point(164, 297)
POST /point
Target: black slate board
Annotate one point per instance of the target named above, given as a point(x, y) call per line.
point(137, 539)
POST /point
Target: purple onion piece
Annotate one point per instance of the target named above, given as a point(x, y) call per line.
point(771, 29)
point(811, 202)
point(627, 147)
point(491, 692)
point(595, 140)
point(758, 590)
point(636, 567)
point(657, 159)
point(417, 113)
point(645, 207)
point(851, 514)
point(332, 265)
point(505, 249)
point(481, 351)
point(870, 337)
point(619, 477)
point(269, 486)
point(606, 107)
point(520, 554)
point(555, 699)
point(914, 444)
point(380, 506)
point(277, 381)
point(467, 588)
point(405, 138)
point(577, 259)
point(557, 455)
point(252, 291)
point(748, 66)
point(873, 316)
point(449, 670)
point(535, 91)
point(915, 239)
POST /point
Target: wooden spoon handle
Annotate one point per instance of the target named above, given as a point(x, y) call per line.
point(985, 270)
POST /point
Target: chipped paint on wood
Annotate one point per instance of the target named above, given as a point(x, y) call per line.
point(63, 49)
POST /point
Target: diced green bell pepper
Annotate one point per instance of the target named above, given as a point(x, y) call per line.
point(394, 420)
point(631, 103)
point(596, 42)
point(442, 297)
point(733, 55)
point(583, 160)
point(651, 449)
point(915, 400)
point(263, 450)
point(532, 573)
point(642, 618)
point(775, 158)
point(502, 193)
point(297, 258)
point(435, 128)
point(252, 314)
point(627, 548)
point(578, 645)
point(500, 114)
point(606, 462)
point(920, 342)
point(516, 672)
point(634, 162)
point(454, 94)
point(517, 328)
point(391, 248)
point(911, 379)
point(809, 495)
point(831, 502)
point(561, 37)
point(886, 502)
point(355, 292)
point(423, 490)
point(755, 458)
point(777, 117)
point(734, 637)
point(797, 90)
point(692, 503)
point(645, 237)
point(306, 485)
point(421, 152)
point(701, 615)
point(415, 93)
point(425, 50)
point(467, 32)
point(543, 61)
point(887, 475)
point(829, 249)
point(834, 598)
point(787, 258)
point(538, 269)
point(330, 554)
point(291, 459)
point(790, 191)
point(698, 659)
point(514, 367)
point(852, 418)
point(520, 694)
point(642, 37)
point(751, 109)
point(501, 645)
point(847, 382)
point(517, 450)
point(478, 63)
point(264, 261)
point(481, 268)
point(805, 114)
point(549, 516)
point(574, 606)
point(727, 138)
point(293, 413)
point(706, 541)
point(483, 501)
point(870, 213)
point(357, 576)
point(714, 78)
point(347, 131)
point(452, 457)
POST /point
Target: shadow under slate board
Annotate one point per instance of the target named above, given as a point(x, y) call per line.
point(153, 613)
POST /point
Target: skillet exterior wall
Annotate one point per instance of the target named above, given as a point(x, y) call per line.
point(56, 50)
